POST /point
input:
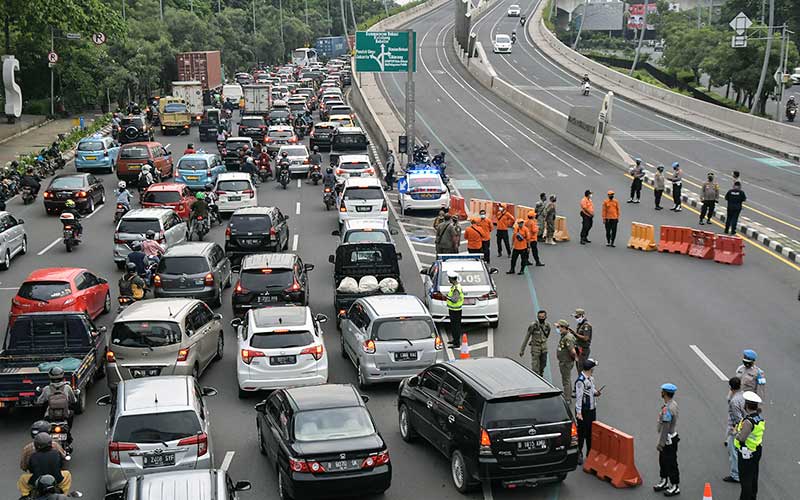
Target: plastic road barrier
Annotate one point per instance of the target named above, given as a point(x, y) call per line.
point(729, 250)
point(611, 456)
point(642, 237)
point(702, 245)
point(675, 239)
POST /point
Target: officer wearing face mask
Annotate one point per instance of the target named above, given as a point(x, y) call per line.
point(536, 338)
point(752, 377)
point(487, 225)
point(583, 336)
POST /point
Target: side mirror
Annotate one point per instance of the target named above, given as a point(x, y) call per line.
point(394, 232)
point(413, 381)
point(209, 391)
point(399, 256)
point(218, 317)
point(423, 271)
point(494, 270)
point(335, 233)
point(102, 281)
point(103, 400)
point(365, 398)
point(102, 329)
point(236, 269)
point(342, 315)
point(20, 221)
point(236, 323)
point(331, 259)
point(261, 407)
point(242, 486)
point(321, 318)
point(308, 267)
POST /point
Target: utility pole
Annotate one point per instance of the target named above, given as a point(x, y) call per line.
point(765, 65)
point(580, 28)
point(280, 14)
point(410, 116)
point(52, 76)
point(123, 10)
point(641, 39)
point(219, 6)
point(353, 13)
point(191, 6)
point(254, 17)
point(782, 70)
point(306, 12)
point(344, 19)
point(161, 9)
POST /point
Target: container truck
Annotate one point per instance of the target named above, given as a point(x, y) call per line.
point(331, 46)
point(204, 67)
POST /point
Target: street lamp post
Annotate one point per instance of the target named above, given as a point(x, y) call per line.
point(254, 17)
point(767, 50)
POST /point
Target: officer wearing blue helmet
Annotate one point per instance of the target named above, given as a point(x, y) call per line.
point(668, 443)
point(753, 377)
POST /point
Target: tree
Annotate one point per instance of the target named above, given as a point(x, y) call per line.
point(687, 48)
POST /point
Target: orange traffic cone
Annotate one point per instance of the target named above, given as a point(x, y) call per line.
point(464, 347)
point(707, 492)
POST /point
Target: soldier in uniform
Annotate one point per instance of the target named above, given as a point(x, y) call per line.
point(583, 339)
point(752, 377)
point(566, 357)
point(536, 338)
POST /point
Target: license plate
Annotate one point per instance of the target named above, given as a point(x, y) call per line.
point(426, 196)
point(134, 167)
point(89, 157)
point(251, 241)
point(162, 460)
point(234, 198)
point(405, 356)
point(282, 360)
point(470, 302)
point(263, 299)
point(355, 174)
point(59, 437)
point(340, 465)
point(192, 177)
point(363, 209)
point(536, 445)
point(145, 372)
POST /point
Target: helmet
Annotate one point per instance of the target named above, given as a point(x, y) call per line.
point(329, 170)
point(42, 441)
point(200, 196)
point(589, 364)
point(69, 204)
point(130, 267)
point(660, 168)
point(249, 159)
point(150, 234)
point(749, 355)
point(190, 146)
point(14, 163)
point(675, 165)
point(150, 162)
point(46, 484)
point(146, 168)
point(39, 426)
point(752, 397)
point(669, 388)
point(452, 276)
point(56, 373)
point(284, 154)
point(316, 148)
point(136, 246)
point(29, 170)
point(638, 161)
point(121, 185)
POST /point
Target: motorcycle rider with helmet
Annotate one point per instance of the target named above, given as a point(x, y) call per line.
point(151, 247)
point(131, 284)
point(145, 179)
point(138, 258)
point(69, 208)
point(791, 104)
point(30, 180)
point(46, 488)
point(124, 197)
point(328, 178)
point(59, 397)
point(249, 168)
point(28, 449)
point(211, 200)
point(199, 208)
point(45, 461)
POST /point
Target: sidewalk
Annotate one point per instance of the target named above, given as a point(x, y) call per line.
point(21, 125)
point(33, 140)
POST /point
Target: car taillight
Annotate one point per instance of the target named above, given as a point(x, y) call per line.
point(488, 296)
point(183, 354)
point(110, 357)
point(375, 460)
point(208, 280)
point(82, 194)
point(573, 435)
point(485, 444)
point(161, 237)
point(227, 233)
point(343, 208)
point(248, 355)
point(48, 194)
point(438, 344)
point(369, 346)
point(311, 134)
point(201, 440)
point(239, 289)
point(249, 192)
point(306, 161)
point(218, 193)
point(384, 208)
point(300, 465)
point(118, 241)
point(339, 171)
point(157, 281)
point(438, 296)
point(267, 140)
point(114, 448)
point(292, 140)
point(369, 171)
point(315, 351)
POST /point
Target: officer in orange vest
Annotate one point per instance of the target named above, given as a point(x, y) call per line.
point(521, 237)
point(487, 226)
point(505, 221)
point(474, 236)
point(610, 218)
point(587, 216)
point(533, 230)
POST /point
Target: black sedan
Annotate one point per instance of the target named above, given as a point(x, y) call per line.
point(323, 442)
point(85, 190)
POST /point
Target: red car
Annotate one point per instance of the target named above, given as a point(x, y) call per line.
point(62, 289)
point(170, 195)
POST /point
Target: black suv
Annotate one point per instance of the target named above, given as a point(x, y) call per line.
point(253, 126)
point(134, 128)
point(256, 230)
point(231, 152)
point(269, 279)
point(494, 419)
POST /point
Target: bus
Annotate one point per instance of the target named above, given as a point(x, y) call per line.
point(303, 57)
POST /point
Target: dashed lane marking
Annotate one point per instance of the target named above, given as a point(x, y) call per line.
point(297, 210)
point(708, 362)
point(295, 241)
point(48, 247)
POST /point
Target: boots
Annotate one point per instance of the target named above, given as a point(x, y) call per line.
point(673, 490)
point(661, 485)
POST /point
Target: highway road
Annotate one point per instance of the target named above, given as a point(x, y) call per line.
point(657, 317)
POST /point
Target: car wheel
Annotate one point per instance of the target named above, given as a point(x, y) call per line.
point(196, 372)
point(220, 347)
point(493, 324)
point(90, 206)
point(103, 198)
point(363, 383)
point(6, 263)
point(407, 432)
point(107, 303)
point(217, 302)
point(24, 248)
point(459, 470)
point(283, 494)
point(243, 394)
point(80, 407)
point(261, 447)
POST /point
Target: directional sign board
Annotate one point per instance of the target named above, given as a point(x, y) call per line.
point(52, 57)
point(383, 51)
point(99, 38)
point(739, 41)
point(740, 23)
point(73, 36)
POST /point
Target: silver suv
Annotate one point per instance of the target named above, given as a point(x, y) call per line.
point(156, 425)
point(182, 485)
point(389, 338)
point(170, 230)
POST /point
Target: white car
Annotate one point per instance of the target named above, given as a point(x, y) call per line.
point(235, 190)
point(481, 304)
point(353, 166)
point(425, 191)
point(514, 11)
point(280, 347)
point(13, 239)
point(362, 198)
point(795, 77)
point(298, 156)
point(365, 231)
point(501, 44)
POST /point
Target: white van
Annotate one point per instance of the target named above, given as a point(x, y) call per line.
point(231, 94)
point(235, 190)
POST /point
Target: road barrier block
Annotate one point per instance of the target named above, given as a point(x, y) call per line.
point(521, 212)
point(458, 207)
point(476, 205)
point(729, 250)
point(675, 239)
point(702, 245)
point(642, 237)
point(611, 457)
point(561, 233)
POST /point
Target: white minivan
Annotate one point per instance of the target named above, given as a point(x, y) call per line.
point(235, 190)
point(362, 198)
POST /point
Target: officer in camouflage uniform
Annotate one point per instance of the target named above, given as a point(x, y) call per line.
point(536, 338)
point(566, 357)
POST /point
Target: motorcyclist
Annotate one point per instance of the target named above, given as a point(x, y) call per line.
point(249, 167)
point(328, 178)
point(189, 149)
point(264, 159)
point(28, 449)
point(791, 104)
point(30, 179)
point(46, 460)
point(222, 136)
point(131, 284)
point(585, 79)
point(69, 208)
point(283, 165)
point(138, 258)
point(200, 206)
point(124, 196)
point(145, 179)
point(522, 19)
point(156, 173)
point(151, 247)
point(513, 36)
point(316, 157)
point(46, 488)
point(59, 397)
point(211, 199)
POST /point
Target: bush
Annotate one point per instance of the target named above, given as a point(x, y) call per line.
point(36, 107)
point(686, 77)
point(396, 10)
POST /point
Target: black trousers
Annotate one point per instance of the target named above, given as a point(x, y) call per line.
point(659, 194)
point(611, 230)
point(636, 188)
point(707, 210)
point(586, 225)
point(731, 220)
point(455, 326)
point(676, 194)
point(475, 250)
point(585, 429)
point(534, 246)
point(748, 475)
point(668, 462)
point(523, 255)
point(502, 237)
point(485, 250)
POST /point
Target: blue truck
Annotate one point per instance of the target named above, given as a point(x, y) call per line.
point(329, 47)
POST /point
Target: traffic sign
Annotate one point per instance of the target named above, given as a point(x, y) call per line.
point(52, 57)
point(383, 51)
point(73, 36)
point(99, 38)
point(739, 41)
point(740, 23)
point(402, 185)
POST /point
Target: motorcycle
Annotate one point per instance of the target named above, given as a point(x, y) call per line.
point(61, 434)
point(522, 20)
point(28, 195)
point(586, 88)
point(199, 228)
point(791, 113)
point(283, 177)
point(316, 174)
point(327, 198)
point(120, 211)
point(71, 239)
point(264, 169)
point(513, 38)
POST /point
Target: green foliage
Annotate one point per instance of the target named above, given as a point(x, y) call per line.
point(382, 15)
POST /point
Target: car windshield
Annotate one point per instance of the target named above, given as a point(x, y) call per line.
point(281, 340)
point(183, 265)
point(423, 182)
point(340, 110)
point(90, 146)
point(250, 223)
point(136, 122)
point(67, 183)
point(160, 427)
point(297, 106)
point(404, 329)
point(236, 145)
point(263, 279)
point(44, 290)
point(363, 193)
point(139, 226)
point(521, 410)
point(361, 236)
point(192, 164)
point(134, 152)
point(233, 185)
point(252, 121)
point(295, 151)
point(467, 278)
point(350, 140)
point(145, 333)
point(502, 39)
point(176, 107)
point(353, 165)
point(162, 197)
point(324, 128)
point(279, 113)
point(333, 423)
point(280, 134)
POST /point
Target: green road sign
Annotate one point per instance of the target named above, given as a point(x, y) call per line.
point(383, 51)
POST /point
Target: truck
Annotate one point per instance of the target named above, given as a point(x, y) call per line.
point(175, 115)
point(257, 99)
point(329, 47)
point(356, 260)
point(36, 342)
point(192, 93)
point(204, 67)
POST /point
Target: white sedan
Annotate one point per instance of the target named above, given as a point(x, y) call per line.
point(353, 166)
point(425, 191)
point(481, 304)
point(501, 44)
point(514, 11)
point(298, 156)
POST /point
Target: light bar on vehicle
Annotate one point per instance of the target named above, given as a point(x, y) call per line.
point(460, 256)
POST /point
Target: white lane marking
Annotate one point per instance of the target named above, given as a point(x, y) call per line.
point(490, 341)
point(9, 288)
point(428, 227)
point(708, 362)
point(426, 253)
point(298, 184)
point(297, 210)
point(295, 241)
point(97, 209)
point(424, 244)
point(487, 490)
point(48, 247)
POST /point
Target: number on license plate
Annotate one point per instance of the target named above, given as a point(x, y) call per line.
point(538, 444)
point(340, 465)
point(267, 298)
point(363, 209)
point(160, 460)
point(470, 302)
point(192, 177)
point(282, 360)
point(90, 158)
point(234, 198)
point(405, 356)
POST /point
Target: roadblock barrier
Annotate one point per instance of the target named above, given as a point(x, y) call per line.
point(642, 237)
point(702, 245)
point(476, 205)
point(729, 250)
point(675, 239)
point(611, 457)
point(521, 212)
point(561, 233)
point(457, 207)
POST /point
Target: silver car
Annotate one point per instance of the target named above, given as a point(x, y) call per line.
point(389, 338)
point(13, 239)
point(182, 485)
point(170, 230)
point(159, 337)
point(298, 156)
point(156, 425)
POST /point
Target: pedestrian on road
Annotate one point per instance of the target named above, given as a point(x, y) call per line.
point(750, 434)
point(735, 415)
point(667, 445)
point(658, 186)
point(637, 172)
point(585, 406)
point(566, 356)
point(505, 221)
point(539, 208)
point(442, 216)
point(520, 237)
point(710, 195)
point(536, 338)
point(389, 178)
point(455, 233)
point(677, 182)
point(533, 232)
point(753, 378)
point(583, 338)
point(587, 216)
point(550, 219)
point(455, 299)
point(735, 198)
point(486, 236)
point(610, 214)
point(444, 240)
point(474, 236)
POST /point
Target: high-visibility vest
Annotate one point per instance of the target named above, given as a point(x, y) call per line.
point(455, 305)
point(753, 440)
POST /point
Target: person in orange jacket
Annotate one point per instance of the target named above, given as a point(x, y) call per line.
point(474, 236)
point(505, 221)
point(520, 238)
point(487, 225)
point(533, 230)
point(610, 218)
point(587, 216)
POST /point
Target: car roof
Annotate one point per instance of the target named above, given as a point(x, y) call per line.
point(353, 158)
point(462, 265)
point(55, 274)
point(148, 213)
point(239, 139)
point(498, 378)
point(94, 138)
point(292, 146)
point(282, 128)
point(156, 310)
point(339, 117)
point(280, 317)
point(195, 484)
point(141, 143)
point(325, 124)
point(82, 175)
point(150, 393)
point(257, 117)
point(340, 106)
point(271, 260)
point(189, 248)
point(396, 305)
point(324, 396)
point(261, 210)
point(198, 156)
point(166, 186)
point(362, 182)
point(226, 176)
point(357, 224)
point(350, 130)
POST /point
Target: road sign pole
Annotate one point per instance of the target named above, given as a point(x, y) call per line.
point(52, 76)
point(767, 50)
point(412, 55)
point(781, 70)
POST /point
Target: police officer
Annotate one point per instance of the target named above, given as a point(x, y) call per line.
point(637, 172)
point(585, 406)
point(566, 357)
point(668, 443)
point(536, 338)
point(753, 378)
point(750, 433)
point(583, 339)
point(455, 299)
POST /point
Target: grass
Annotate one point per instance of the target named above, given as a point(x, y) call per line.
point(380, 17)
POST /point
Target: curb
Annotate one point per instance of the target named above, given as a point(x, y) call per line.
point(29, 129)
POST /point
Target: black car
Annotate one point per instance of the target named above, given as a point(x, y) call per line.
point(84, 189)
point(252, 126)
point(323, 442)
point(231, 152)
point(210, 124)
point(321, 135)
point(268, 279)
point(134, 128)
point(494, 419)
point(280, 117)
point(256, 230)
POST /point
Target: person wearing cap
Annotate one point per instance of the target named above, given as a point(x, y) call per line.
point(536, 337)
point(753, 377)
point(749, 435)
point(539, 208)
point(455, 300)
point(441, 217)
point(658, 186)
point(735, 198)
point(709, 196)
point(486, 235)
point(505, 221)
point(474, 236)
point(583, 338)
point(677, 183)
point(637, 172)
point(585, 406)
point(520, 237)
point(735, 415)
point(610, 212)
point(533, 232)
point(587, 216)
point(566, 356)
point(447, 235)
point(667, 445)
point(550, 219)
